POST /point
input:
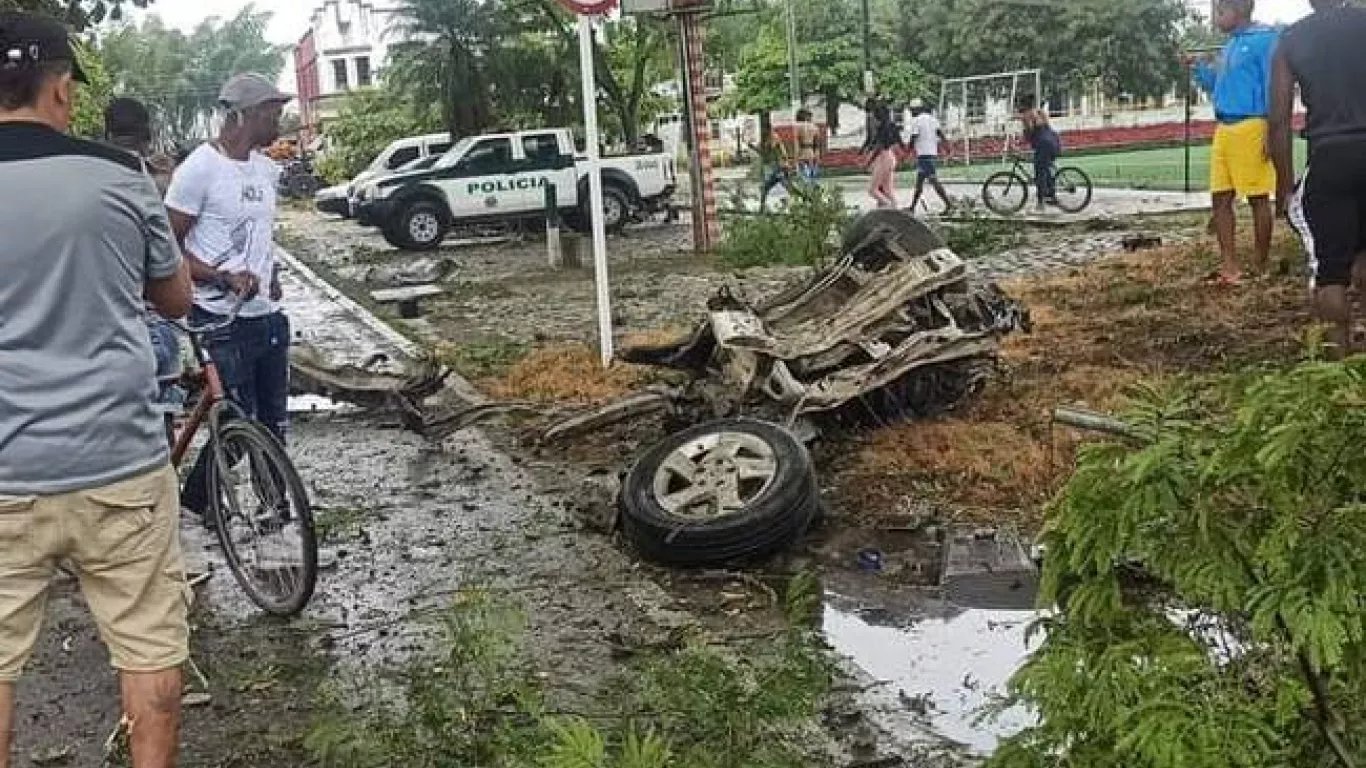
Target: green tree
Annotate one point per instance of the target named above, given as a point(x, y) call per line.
point(449, 58)
point(87, 117)
point(368, 121)
point(179, 75)
point(1208, 579)
point(1130, 47)
point(80, 14)
point(638, 57)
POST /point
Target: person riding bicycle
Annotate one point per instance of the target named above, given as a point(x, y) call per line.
point(1047, 146)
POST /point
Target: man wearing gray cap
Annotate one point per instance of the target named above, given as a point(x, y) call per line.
point(222, 203)
point(85, 476)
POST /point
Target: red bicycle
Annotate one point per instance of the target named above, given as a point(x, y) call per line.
point(258, 505)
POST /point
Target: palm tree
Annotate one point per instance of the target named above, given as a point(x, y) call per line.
point(446, 58)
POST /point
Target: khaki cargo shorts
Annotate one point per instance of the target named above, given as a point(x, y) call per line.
point(123, 543)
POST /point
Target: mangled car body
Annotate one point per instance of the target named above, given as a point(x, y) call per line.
point(896, 329)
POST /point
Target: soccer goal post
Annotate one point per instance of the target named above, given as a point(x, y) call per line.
point(979, 111)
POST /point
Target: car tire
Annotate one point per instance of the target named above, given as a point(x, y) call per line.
point(421, 226)
point(677, 509)
point(912, 232)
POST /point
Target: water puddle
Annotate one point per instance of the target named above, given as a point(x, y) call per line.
point(936, 669)
point(936, 628)
point(317, 404)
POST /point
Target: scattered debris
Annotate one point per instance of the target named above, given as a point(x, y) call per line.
point(52, 755)
point(989, 569)
point(1135, 243)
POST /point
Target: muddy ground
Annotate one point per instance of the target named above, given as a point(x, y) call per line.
point(409, 522)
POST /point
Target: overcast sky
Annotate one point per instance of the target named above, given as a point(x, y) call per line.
point(291, 16)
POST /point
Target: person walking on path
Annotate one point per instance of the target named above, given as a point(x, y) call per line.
point(222, 202)
point(1046, 144)
point(810, 146)
point(85, 475)
point(1323, 55)
point(777, 167)
point(881, 147)
point(1240, 161)
point(926, 136)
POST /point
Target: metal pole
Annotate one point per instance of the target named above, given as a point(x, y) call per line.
point(967, 127)
point(793, 73)
point(1190, 94)
point(869, 85)
point(590, 131)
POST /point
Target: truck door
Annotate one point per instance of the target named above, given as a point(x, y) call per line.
point(544, 162)
point(472, 183)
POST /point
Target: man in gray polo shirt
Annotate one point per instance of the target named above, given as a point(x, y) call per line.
point(84, 472)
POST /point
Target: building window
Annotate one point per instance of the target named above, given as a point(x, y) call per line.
point(339, 74)
point(363, 72)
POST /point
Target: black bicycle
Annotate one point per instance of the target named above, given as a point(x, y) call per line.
point(1006, 192)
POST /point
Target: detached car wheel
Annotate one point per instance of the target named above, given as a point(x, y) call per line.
point(422, 226)
point(912, 233)
point(720, 491)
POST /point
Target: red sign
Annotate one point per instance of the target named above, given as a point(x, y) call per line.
point(589, 7)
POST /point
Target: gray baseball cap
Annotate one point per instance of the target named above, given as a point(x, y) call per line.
point(251, 90)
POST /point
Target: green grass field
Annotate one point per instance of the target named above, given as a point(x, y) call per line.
point(1140, 169)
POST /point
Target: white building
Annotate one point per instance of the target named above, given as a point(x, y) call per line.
point(346, 46)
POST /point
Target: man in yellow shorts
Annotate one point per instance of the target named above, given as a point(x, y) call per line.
point(1240, 163)
point(85, 480)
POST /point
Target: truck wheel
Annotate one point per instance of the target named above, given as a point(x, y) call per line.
point(391, 236)
point(421, 226)
point(616, 209)
point(726, 490)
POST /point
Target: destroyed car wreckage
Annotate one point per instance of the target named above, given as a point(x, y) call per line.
point(896, 329)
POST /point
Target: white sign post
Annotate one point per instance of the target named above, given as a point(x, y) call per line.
point(590, 131)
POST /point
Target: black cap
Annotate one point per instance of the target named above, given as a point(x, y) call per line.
point(29, 39)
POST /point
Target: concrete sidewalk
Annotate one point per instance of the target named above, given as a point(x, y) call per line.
point(1107, 202)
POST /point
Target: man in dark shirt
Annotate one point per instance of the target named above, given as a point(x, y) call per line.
point(1324, 55)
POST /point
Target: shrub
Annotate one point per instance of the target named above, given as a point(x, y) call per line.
point(1209, 584)
point(804, 233)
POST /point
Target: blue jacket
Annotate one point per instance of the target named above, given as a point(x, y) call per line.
point(1241, 80)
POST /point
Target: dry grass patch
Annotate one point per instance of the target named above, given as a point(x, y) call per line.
point(1098, 331)
point(568, 373)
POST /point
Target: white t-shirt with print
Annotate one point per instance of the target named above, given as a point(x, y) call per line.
point(925, 129)
point(233, 203)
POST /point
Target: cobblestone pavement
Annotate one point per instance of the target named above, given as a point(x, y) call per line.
point(503, 291)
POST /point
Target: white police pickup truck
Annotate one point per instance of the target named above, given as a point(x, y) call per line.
point(504, 177)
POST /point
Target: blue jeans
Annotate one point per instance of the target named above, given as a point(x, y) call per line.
point(1047, 150)
point(166, 345)
point(252, 356)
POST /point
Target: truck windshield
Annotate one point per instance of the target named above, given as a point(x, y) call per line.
point(456, 152)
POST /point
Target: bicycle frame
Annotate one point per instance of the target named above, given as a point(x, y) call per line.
point(211, 399)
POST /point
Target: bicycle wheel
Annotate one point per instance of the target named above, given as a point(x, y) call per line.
point(1005, 193)
point(1072, 189)
point(263, 518)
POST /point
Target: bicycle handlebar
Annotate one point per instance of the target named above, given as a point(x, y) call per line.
point(203, 330)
